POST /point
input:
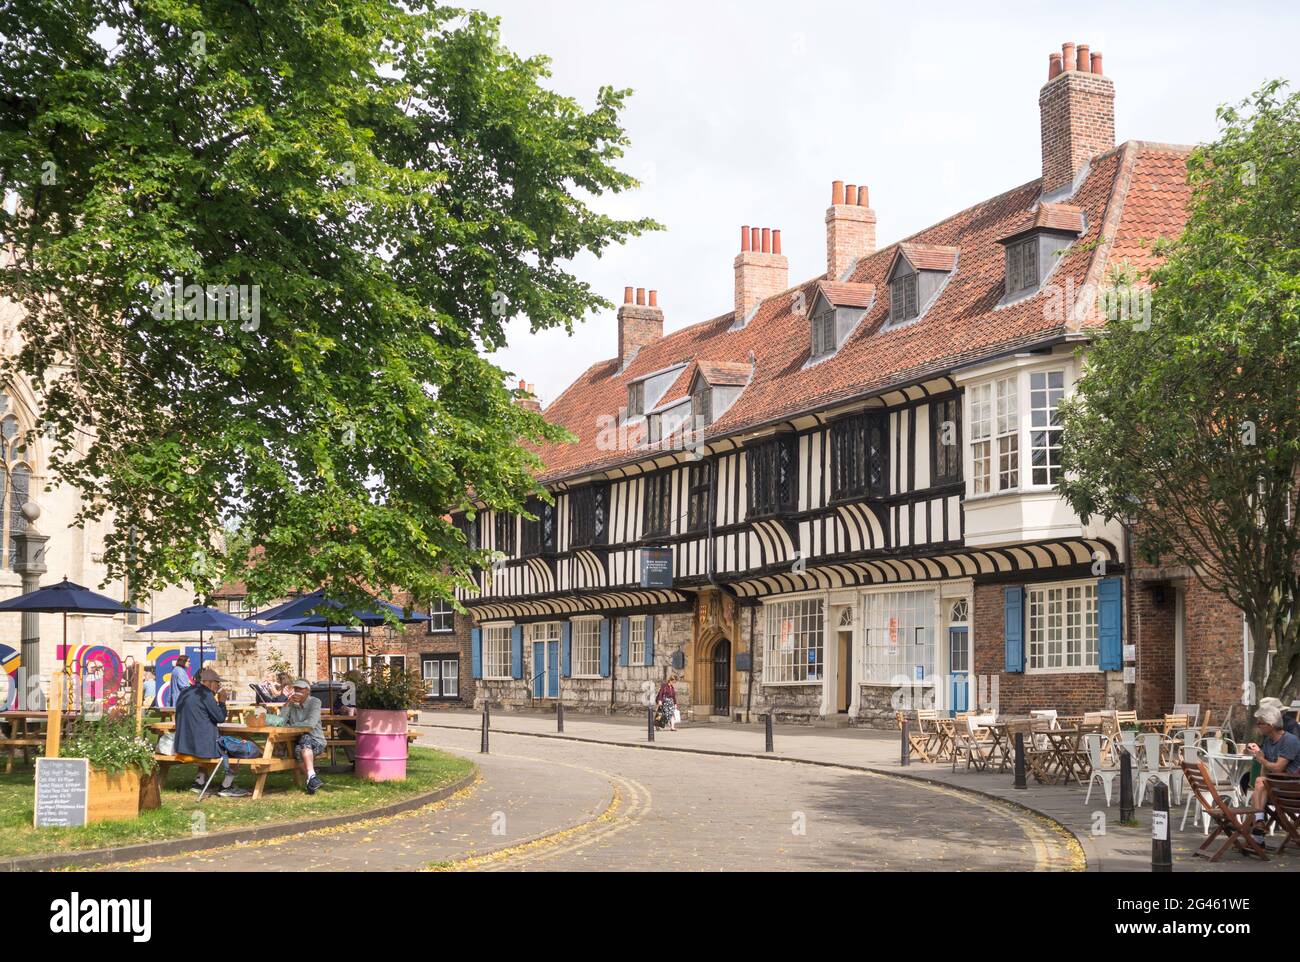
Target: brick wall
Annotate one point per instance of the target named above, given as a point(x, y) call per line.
point(1153, 629)
point(411, 642)
point(850, 233)
point(1069, 693)
point(1077, 113)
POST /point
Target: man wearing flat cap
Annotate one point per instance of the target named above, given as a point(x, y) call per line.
point(199, 710)
point(303, 710)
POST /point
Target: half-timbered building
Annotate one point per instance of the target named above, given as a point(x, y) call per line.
point(852, 476)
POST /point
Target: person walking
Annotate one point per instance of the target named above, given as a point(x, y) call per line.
point(666, 699)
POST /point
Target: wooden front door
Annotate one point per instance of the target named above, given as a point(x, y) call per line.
point(722, 677)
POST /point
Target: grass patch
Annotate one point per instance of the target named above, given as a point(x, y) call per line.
point(426, 771)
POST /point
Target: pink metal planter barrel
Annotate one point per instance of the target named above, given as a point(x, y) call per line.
point(381, 745)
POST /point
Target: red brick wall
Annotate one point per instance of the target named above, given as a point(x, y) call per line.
point(411, 642)
point(1212, 638)
point(638, 326)
point(1069, 694)
point(1153, 628)
point(1078, 121)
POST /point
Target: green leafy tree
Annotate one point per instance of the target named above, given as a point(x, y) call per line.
point(364, 192)
point(1186, 423)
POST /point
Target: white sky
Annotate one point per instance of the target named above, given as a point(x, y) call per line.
point(743, 113)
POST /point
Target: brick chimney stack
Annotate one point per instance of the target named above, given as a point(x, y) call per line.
point(1077, 109)
point(761, 269)
point(639, 323)
point(850, 229)
point(528, 401)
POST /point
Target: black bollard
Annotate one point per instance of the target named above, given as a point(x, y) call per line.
point(767, 746)
point(906, 748)
point(1020, 761)
point(1162, 853)
point(1125, 787)
point(483, 744)
point(650, 723)
point(559, 717)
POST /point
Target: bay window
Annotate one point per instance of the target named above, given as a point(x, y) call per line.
point(1046, 389)
point(793, 650)
point(1002, 426)
point(772, 476)
point(899, 637)
point(1062, 628)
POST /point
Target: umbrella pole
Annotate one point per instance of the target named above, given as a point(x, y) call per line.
point(67, 665)
point(329, 654)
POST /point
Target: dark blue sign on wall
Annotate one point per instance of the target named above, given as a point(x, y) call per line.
point(656, 567)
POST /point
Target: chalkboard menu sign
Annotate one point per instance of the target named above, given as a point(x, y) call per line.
point(62, 786)
point(656, 567)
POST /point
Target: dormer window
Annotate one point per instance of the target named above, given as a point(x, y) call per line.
point(636, 399)
point(1022, 265)
point(917, 277)
point(702, 403)
point(837, 308)
point(1035, 244)
point(903, 304)
point(823, 333)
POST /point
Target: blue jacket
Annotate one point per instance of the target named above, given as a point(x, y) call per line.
point(197, 715)
point(180, 681)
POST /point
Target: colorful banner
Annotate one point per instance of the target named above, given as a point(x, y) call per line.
point(163, 658)
point(99, 664)
point(9, 662)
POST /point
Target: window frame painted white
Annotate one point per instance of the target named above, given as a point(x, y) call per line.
point(1090, 585)
point(931, 666)
point(988, 430)
point(506, 627)
point(769, 638)
point(574, 654)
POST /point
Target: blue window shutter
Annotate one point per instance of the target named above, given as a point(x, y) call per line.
point(649, 640)
point(624, 642)
point(517, 651)
point(1110, 624)
point(604, 647)
point(1014, 629)
point(566, 648)
point(476, 652)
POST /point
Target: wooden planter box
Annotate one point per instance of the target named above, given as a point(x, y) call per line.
point(112, 796)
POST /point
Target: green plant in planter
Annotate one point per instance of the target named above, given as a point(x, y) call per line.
point(389, 689)
point(111, 744)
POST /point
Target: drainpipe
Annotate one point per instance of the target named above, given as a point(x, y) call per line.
point(749, 692)
point(1128, 607)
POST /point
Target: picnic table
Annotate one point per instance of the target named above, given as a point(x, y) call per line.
point(18, 737)
point(281, 736)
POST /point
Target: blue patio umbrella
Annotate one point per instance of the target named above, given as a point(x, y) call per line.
point(200, 618)
point(64, 598)
point(309, 626)
point(309, 606)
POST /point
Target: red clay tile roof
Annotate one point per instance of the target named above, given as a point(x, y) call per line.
point(725, 372)
point(930, 257)
point(847, 295)
point(1132, 195)
point(1065, 217)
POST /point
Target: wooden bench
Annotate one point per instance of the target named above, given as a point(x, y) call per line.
point(269, 761)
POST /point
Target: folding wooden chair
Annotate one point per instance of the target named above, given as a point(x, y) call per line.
point(927, 720)
point(919, 742)
point(1234, 822)
point(975, 746)
point(1283, 806)
point(1175, 723)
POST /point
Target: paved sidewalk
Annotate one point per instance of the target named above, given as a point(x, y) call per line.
point(1114, 848)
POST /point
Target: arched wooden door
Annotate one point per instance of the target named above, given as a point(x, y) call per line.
point(722, 677)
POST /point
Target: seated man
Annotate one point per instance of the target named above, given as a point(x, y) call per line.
point(303, 710)
point(1278, 751)
point(199, 710)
